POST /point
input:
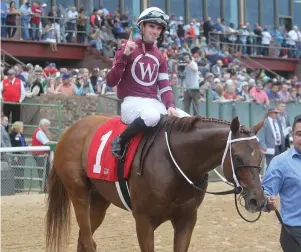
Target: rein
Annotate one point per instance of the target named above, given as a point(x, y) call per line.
point(237, 187)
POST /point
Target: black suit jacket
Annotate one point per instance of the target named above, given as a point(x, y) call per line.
point(16, 141)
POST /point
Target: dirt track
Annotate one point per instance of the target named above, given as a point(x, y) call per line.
point(219, 228)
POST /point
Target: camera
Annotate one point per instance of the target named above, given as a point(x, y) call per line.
point(182, 65)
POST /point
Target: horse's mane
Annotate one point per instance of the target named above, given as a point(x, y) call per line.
point(186, 124)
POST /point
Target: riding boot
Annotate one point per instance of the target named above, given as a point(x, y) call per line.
point(118, 144)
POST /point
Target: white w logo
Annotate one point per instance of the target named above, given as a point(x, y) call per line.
point(148, 69)
point(150, 60)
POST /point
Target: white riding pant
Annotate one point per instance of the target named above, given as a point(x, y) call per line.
point(147, 108)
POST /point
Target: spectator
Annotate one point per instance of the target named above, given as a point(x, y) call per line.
point(285, 124)
point(12, 13)
point(81, 23)
point(191, 85)
point(96, 40)
point(273, 93)
point(51, 86)
point(72, 17)
point(271, 136)
point(3, 19)
point(258, 95)
point(291, 42)
point(51, 70)
point(35, 20)
point(48, 35)
point(62, 15)
point(66, 88)
point(18, 140)
point(244, 93)
point(283, 177)
point(40, 138)
point(5, 138)
point(266, 40)
point(16, 136)
point(12, 90)
point(293, 96)
point(25, 19)
point(284, 94)
point(54, 20)
point(82, 88)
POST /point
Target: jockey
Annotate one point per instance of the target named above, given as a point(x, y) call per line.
point(140, 72)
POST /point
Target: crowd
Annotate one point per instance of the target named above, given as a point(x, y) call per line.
point(106, 29)
point(55, 24)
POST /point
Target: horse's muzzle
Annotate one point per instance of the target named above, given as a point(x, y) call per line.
point(255, 200)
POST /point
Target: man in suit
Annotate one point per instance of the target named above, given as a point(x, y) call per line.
point(271, 136)
point(5, 139)
point(285, 124)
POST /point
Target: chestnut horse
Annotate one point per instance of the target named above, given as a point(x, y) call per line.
point(160, 193)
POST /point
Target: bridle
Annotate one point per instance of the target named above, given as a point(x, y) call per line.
point(238, 189)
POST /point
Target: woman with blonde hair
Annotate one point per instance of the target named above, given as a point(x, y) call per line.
point(16, 135)
point(18, 140)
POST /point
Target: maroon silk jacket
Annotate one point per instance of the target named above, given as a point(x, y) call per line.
point(141, 75)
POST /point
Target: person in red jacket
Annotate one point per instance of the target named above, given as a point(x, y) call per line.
point(40, 138)
point(35, 20)
point(12, 90)
point(140, 71)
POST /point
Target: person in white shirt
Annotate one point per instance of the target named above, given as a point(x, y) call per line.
point(72, 17)
point(191, 85)
point(266, 40)
point(291, 41)
point(40, 138)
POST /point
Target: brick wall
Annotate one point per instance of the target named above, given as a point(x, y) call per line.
point(73, 109)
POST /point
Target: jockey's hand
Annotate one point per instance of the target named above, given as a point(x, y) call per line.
point(171, 111)
point(130, 45)
point(271, 203)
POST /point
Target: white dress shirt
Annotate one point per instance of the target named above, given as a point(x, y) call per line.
point(276, 131)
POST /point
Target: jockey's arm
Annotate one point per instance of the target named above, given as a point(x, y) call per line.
point(165, 89)
point(114, 75)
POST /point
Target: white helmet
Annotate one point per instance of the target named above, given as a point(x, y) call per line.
point(154, 15)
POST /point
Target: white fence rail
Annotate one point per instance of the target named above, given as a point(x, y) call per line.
point(25, 171)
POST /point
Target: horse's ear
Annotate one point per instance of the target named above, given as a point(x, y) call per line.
point(256, 128)
point(235, 124)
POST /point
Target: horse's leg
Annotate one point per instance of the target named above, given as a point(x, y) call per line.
point(183, 227)
point(145, 232)
point(80, 198)
point(98, 208)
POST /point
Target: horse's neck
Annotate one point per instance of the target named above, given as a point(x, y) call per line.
point(202, 151)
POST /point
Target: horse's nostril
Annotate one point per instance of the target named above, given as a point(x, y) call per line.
point(253, 202)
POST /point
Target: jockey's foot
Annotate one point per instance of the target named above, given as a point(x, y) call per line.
point(117, 149)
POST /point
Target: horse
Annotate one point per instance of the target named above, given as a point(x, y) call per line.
point(160, 193)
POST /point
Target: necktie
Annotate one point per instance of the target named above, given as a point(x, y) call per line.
point(276, 133)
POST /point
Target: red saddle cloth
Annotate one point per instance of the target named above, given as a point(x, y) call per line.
point(101, 163)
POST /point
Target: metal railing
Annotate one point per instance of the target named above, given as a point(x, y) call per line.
point(23, 171)
point(249, 113)
point(58, 128)
point(257, 48)
point(43, 35)
point(215, 42)
point(7, 54)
